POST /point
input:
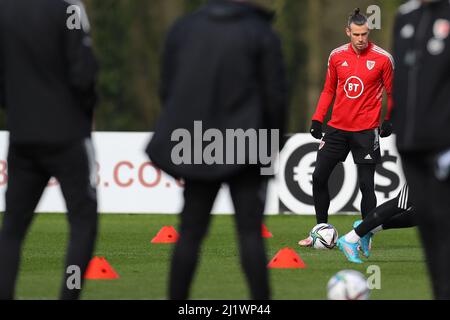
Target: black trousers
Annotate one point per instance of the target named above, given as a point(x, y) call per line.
point(29, 169)
point(431, 198)
point(397, 213)
point(324, 167)
point(248, 191)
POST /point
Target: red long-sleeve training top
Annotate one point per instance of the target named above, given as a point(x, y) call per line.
point(357, 81)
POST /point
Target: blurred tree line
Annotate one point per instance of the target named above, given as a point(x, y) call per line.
point(129, 35)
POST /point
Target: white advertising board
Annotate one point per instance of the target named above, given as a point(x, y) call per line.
point(129, 183)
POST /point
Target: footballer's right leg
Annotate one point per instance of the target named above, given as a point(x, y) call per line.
point(333, 148)
point(324, 167)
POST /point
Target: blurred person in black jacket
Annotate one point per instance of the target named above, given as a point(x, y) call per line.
point(422, 124)
point(47, 85)
point(223, 67)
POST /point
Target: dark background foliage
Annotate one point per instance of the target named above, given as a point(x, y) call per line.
point(128, 37)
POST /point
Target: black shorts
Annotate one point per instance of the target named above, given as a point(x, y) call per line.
point(364, 145)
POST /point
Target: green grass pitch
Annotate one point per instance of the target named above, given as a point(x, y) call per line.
point(124, 240)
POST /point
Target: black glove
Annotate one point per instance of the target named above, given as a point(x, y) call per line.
point(316, 129)
point(386, 129)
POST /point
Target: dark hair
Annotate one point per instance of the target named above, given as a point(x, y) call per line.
point(357, 18)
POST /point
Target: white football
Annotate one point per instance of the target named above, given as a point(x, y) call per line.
point(324, 236)
point(348, 285)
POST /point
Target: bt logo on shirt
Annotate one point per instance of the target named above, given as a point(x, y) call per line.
point(354, 87)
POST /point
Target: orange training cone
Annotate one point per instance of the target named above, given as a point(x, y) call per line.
point(286, 258)
point(99, 268)
point(166, 235)
point(265, 232)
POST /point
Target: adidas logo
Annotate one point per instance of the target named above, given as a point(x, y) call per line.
point(345, 64)
point(368, 157)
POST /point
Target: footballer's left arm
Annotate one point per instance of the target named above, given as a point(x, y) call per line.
point(388, 78)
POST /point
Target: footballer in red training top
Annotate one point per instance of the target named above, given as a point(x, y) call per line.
point(358, 73)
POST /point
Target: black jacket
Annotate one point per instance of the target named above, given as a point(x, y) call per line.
point(223, 66)
point(422, 77)
point(47, 72)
